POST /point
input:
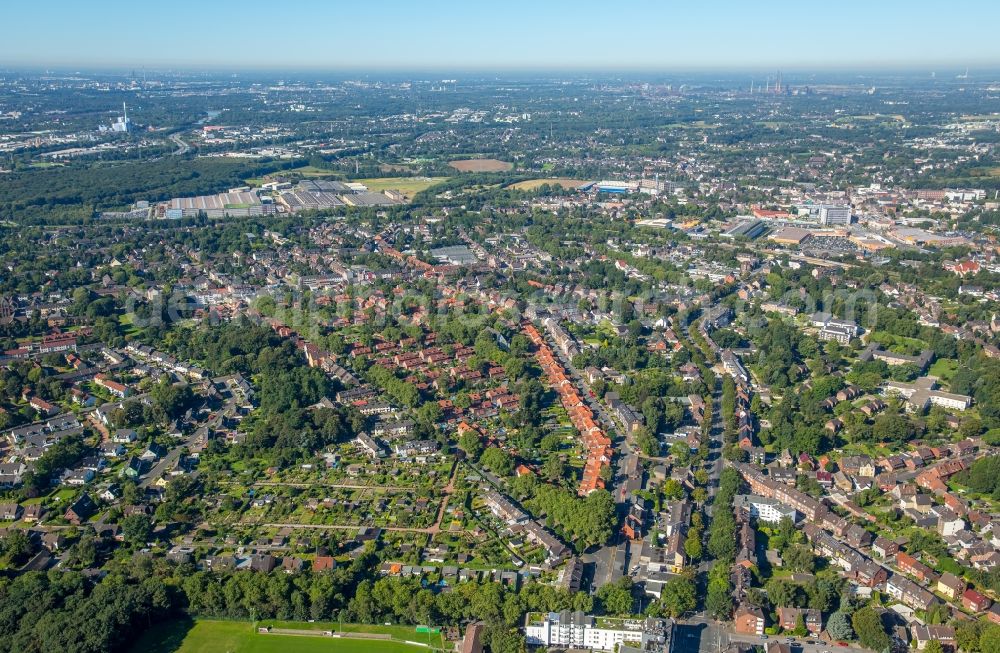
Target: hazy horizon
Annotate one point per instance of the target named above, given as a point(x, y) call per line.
point(518, 36)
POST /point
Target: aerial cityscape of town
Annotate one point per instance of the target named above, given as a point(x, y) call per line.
point(647, 362)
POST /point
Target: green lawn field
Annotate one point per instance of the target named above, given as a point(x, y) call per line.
point(207, 636)
point(313, 171)
point(532, 184)
point(408, 186)
point(305, 171)
point(944, 369)
point(899, 344)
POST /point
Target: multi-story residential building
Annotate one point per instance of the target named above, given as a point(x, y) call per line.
point(731, 362)
point(860, 465)
point(923, 392)
point(910, 565)
point(974, 601)
point(676, 518)
point(884, 548)
point(951, 586)
point(813, 619)
point(764, 509)
point(909, 593)
point(748, 620)
point(922, 635)
point(576, 630)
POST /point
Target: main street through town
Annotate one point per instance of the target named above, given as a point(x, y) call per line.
point(614, 560)
point(699, 633)
point(611, 561)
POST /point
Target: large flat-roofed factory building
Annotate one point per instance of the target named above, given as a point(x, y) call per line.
point(312, 195)
point(315, 195)
point(236, 203)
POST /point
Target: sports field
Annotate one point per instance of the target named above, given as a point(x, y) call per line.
point(532, 184)
point(207, 636)
point(408, 186)
point(481, 165)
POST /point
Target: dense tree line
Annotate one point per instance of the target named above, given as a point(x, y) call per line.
point(284, 425)
point(980, 378)
point(583, 522)
point(64, 611)
point(983, 476)
point(80, 190)
point(722, 530)
point(722, 546)
point(779, 345)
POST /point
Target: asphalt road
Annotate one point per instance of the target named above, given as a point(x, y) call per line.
point(716, 442)
point(165, 464)
point(602, 561)
point(706, 636)
point(160, 467)
point(182, 147)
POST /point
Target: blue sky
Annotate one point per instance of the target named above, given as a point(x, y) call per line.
point(501, 35)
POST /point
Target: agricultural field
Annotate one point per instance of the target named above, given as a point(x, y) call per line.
point(408, 186)
point(979, 117)
point(564, 182)
point(985, 172)
point(481, 165)
point(207, 636)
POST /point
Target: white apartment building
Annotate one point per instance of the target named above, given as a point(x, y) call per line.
point(577, 630)
point(764, 509)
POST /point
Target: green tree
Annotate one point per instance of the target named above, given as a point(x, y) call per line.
point(647, 442)
point(553, 468)
point(839, 626)
point(799, 558)
point(497, 460)
point(681, 452)
point(471, 444)
point(171, 400)
point(722, 535)
point(719, 600)
point(672, 489)
point(84, 553)
point(989, 639)
point(783, 594)
point(17, 546)
point(892, 427)
point(719, 603)
point(868, 627)
point(968, 633)
point(934, 646)
point(137, 529)
point(616, 598)
point(692, 545)
point(677, 597)
point(505, 640)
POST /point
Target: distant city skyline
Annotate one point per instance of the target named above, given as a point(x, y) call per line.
point(514, 35)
